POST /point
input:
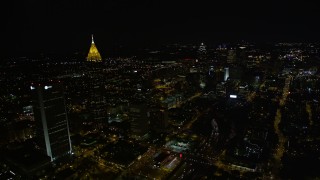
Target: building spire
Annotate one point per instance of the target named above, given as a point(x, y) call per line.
point(92, 41)
point(93, 55)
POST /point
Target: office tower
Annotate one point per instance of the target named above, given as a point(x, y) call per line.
point(242, 56)
point(211, 71)
point(221, 54)
point(202, 51)
point(159, 120)
point(226, 73)
point(51, 118)
point(98, 105)
point(219, 74)
point(231, 57)
point(139, 120)
point(202, 82)
point(93, 55)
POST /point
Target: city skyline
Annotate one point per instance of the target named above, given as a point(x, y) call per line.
point(240, 110)
point(154, 89)
point(55, 27)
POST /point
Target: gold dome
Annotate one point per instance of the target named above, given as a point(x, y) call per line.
point(94, 55)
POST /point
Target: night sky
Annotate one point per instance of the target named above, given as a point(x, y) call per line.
point(65, 26)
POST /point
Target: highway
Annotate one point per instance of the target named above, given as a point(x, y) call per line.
point(282, 139)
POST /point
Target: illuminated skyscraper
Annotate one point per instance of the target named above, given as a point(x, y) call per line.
point(202, 51)
point(226, 74)
point(51, 118)
point(93, 55)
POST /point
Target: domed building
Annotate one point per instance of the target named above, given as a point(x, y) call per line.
point(93, 55)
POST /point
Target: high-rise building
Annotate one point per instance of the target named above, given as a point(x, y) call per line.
point(139, 120)
point(219, 74)
point(51, 118)
point(226, 74)
point(231, 57)
point(202, 51)
point(93, 55)
point(221, 54)
point(242, 55)
point(98, 104)
point(159, 120)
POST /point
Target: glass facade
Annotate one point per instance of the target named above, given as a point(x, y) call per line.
point(51, 117)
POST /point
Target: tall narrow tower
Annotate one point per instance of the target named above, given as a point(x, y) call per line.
point(51, 118)
point(93, 55)
point(226, 74)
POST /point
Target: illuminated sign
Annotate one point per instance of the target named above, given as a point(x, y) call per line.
point(233, 96)
point(32, 88)
point(47, 87)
